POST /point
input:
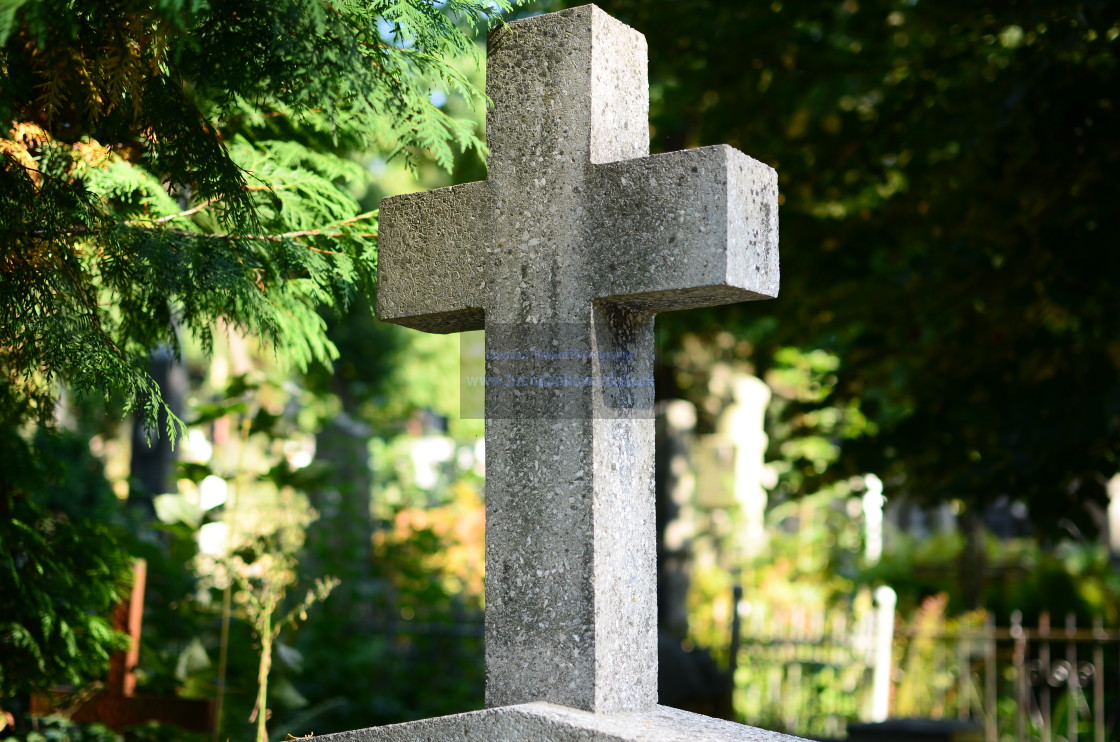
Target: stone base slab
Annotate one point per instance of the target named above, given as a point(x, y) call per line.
point(546, 722)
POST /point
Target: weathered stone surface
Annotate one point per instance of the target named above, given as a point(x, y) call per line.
point(574, 240)
point(545, 722)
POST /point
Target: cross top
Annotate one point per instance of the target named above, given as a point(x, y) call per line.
point(575, 240)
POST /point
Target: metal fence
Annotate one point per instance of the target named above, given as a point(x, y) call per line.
point(813, 672)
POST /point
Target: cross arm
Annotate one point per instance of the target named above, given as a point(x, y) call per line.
point(431, 258)
point(686, 229)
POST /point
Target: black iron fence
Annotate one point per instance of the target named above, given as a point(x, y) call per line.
point(814, 672)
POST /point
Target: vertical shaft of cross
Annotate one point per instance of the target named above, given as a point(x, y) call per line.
point(571, 594)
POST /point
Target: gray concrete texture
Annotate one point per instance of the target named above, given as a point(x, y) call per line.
point(545, 722)
point(576, 232)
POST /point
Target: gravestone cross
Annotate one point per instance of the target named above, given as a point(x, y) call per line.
point(563, 255)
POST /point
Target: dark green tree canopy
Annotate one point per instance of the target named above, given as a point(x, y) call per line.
point(949, 223)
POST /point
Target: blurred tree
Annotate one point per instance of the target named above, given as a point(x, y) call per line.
point(949, 225)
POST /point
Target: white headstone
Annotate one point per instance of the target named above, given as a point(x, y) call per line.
point(873, 502)
point(744, 424)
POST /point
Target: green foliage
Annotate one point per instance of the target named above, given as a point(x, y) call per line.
point(63, 571)
point(402, 634)
point(58, 728)
point(809, 424)
point(1016, 575)
point(263, 572)
point(410, 645)
point(928, 683)
point(175, 166)
point(243, 504)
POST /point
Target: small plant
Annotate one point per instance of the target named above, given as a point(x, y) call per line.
point(263, 574)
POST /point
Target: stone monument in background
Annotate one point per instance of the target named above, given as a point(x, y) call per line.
point(563, 255)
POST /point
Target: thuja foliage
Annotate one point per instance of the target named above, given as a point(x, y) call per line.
point(61, 570)
point(172, 166)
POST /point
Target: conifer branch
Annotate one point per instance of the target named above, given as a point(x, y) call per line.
point(277, 237)
point(320, 232)
point(188, 212)
point(208, 202)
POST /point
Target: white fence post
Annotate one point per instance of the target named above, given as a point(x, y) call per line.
point(885, 600)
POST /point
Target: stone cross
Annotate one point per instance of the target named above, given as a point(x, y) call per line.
point(563, 255)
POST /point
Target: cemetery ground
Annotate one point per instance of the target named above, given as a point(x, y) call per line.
point(1006, 602)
